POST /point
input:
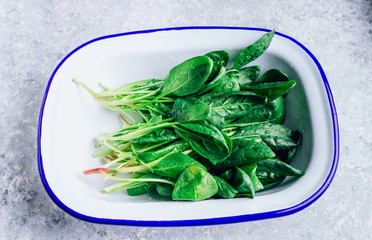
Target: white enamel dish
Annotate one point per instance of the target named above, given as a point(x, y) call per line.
point(70, 120)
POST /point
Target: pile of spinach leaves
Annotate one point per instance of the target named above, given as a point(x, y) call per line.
point(207, 131)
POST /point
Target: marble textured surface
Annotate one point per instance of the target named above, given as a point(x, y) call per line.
point(36, 35)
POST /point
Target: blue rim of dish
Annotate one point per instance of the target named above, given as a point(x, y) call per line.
point(208, 221)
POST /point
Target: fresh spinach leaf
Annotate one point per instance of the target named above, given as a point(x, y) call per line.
point(248, 75)
point(270, 180)
point(149, 156)
point(194, 184)
point(158, 135)
point(242, 182)
point(220, 59)
point(272, 75)
point(228, 82)
point(174, 164)
point(142, 187)
point(276, 136)
point(165, 190)
point(206, 140)
point(213, 118)
point(194, 113)
point(188, 77)
point(273, 111)
point(225, 190)
point(247, 151)
point(232, 104)
point(209, 85)
point(271, 90)
point(279, 167)
point(251, 171)
point(252, 52)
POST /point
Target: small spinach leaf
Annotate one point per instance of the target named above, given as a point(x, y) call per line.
point(279, 167)
point(165, 190)
point(272, 75)
point(220, 59)
point(208, 86)
point(194, 184)
point(253, 51)
point(242, 182)
point(225, 190)
point(251, 171)
point(271, 90)
point(142, 187)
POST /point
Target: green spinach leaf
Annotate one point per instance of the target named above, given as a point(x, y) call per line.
point(271, 90)
point(188, 77)
point(206, 140)
point(195, 184)
point(279, 167)
point(272, 75)
point(247, 151)
point(248, 75)
point(252, 52)
point(173, 165)
point(273, 111)
point(225, 190)
point(242, 182)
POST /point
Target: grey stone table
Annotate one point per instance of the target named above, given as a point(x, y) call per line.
point(36, 35)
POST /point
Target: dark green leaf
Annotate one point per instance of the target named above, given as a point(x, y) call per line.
point(279, 167)
point(225, 190)
point(273, 75)
point(247, 151)
point(162, 109)
point(194, 113)
point(276, 136)
point(251, 171)
point(164, 189)
point(213, 118)
point(288, 155)
point(156, 119)
point(227, 175)
point(142, 187)
point(248, 75)
point(188, 77)
point(267, 178)
point(273, 111)
point(242, 182)
point(206, 140)
point(253, 51)
point(228, 82)
point(271, 90)
point(208, 86)
point(180, 105)
point(220, 59)
point(232, 104)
